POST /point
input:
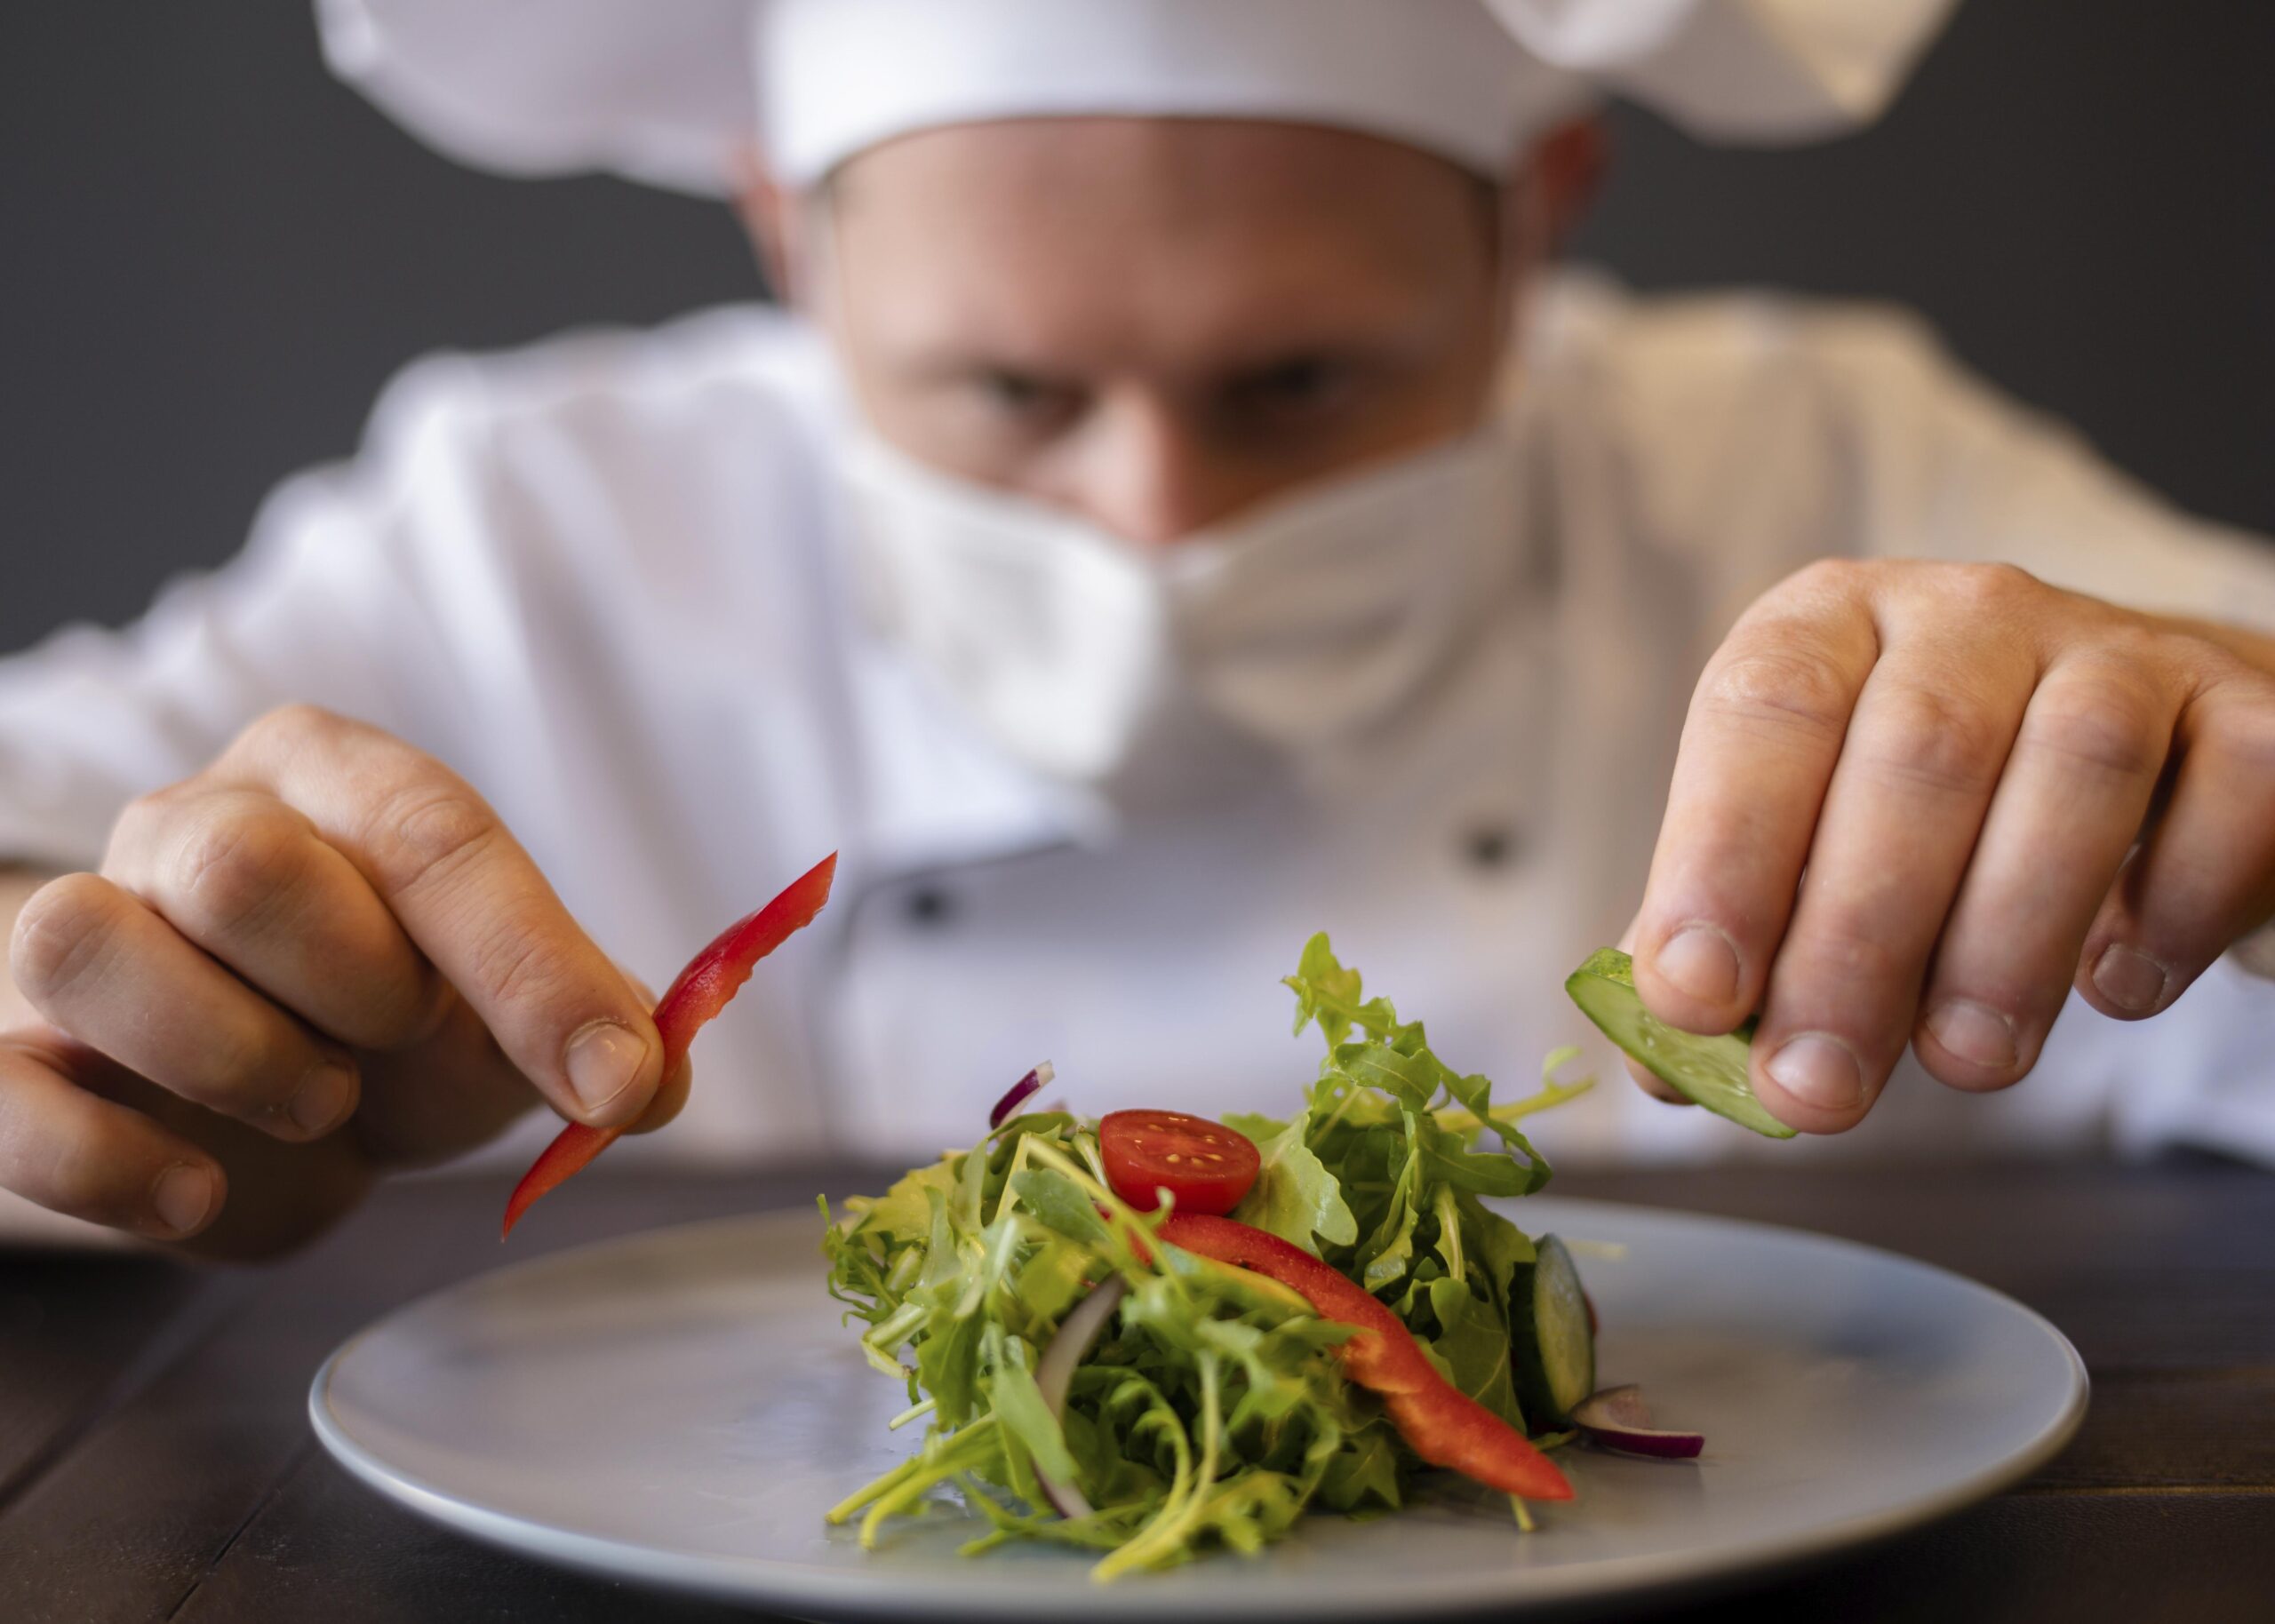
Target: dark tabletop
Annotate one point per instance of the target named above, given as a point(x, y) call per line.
point(155, 1459)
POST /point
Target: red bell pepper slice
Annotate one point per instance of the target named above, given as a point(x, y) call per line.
point(1439, 1422)
point(701, 990)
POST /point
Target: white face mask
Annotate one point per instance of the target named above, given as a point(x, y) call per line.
point(1294, 628)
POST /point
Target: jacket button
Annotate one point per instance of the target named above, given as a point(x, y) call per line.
point(1490, 845)
point(929, 906)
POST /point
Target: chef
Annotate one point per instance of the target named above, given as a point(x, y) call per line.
point(1179, 508)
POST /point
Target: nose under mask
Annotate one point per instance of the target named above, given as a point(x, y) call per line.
point(1301, 624)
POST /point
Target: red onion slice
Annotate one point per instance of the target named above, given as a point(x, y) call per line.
point(1616, 1419)
point(1032, 1082)
point(1077, 1335)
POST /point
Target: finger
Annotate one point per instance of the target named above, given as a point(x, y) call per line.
point(1757, 750)
point(671, 1099)
point(670, 1093)
point(455, 1089)
point(69, 1151)
point(472, 901)
point(2078, 783)
point(2206, 874)
point(1650, 1083)
point(1645, 1078)
point(248, 880)
point(103, 967)
point(445, 1095)
point(1925, 749)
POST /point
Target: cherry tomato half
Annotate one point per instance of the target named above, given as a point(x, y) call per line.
point(1205, 1166)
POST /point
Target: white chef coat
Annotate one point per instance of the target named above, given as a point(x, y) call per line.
point(600, 579)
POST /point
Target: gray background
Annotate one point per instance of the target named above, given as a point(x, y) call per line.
point(211, 255)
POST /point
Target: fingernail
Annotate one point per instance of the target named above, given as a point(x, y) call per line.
point(2129, 979)
point(1700, 960)
point(604, 1060)
point(323, 1099)
point(1975, 1032)
point(1819, 1070)
point(183, 1196)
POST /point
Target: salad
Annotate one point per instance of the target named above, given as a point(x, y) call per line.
point(1151, 1332)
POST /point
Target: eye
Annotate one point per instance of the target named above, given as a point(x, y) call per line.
point(1302, 385)
point(1022, 395)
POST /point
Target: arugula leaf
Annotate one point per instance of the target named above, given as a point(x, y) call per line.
point(904, 1211)
point(1295, 1197)
point(1059, 1202)
point(1019, 1402)
point(1365, 1469)
point(1472, 1344)
point(1389, 1251)
point(1325, 992)
point(1498, 1248)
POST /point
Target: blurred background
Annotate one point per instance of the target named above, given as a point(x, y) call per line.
point(214, 256)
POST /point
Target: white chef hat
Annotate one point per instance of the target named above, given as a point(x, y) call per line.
point(674, 92)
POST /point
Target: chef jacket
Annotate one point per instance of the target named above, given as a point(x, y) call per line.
point(602, 579)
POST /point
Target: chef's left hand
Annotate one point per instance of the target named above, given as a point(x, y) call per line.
point(1962, 759)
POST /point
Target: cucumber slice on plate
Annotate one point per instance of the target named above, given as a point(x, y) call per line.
point(1710, 1071)
point(1555, 1350)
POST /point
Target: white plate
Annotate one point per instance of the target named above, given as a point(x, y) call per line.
point(678, 1408)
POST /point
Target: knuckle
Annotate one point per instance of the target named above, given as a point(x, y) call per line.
point(298, 723)
point(234, 869)
point(1998, 599)
point(1995, 583)
point(245, 1073)
point(1936, 740)
point(77, 1183)
point(148, 813)
point(2107, 723)
point(1848, 956)
point(63, 935)
point(1779, 690)
point(421, 832)
point(513, 969)
point(2135, 643)
point(1832, 576)
point(2242, 726)
point(60, 1160)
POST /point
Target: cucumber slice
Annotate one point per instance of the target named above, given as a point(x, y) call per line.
point(1710, 1071)
point(1555, 1350)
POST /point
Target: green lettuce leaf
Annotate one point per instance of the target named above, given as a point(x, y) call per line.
point(1295, 1197)
point(1019, 1402)
point(1472, 1345)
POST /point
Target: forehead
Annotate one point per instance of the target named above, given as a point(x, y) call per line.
point(1061, 234)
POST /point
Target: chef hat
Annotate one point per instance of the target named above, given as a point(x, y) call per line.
point(672, 93)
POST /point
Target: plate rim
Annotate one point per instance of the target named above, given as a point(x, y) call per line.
point(796, 1587)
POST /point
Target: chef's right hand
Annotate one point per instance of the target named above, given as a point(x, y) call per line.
point(321, 956)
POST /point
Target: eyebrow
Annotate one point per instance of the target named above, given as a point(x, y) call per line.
point(952, 361)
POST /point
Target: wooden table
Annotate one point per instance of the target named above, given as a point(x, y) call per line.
point(156, 1462)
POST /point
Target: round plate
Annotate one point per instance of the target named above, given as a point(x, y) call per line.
point(678, 1408)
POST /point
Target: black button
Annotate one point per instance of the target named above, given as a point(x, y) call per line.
point(1490, 845)
point(929, 906)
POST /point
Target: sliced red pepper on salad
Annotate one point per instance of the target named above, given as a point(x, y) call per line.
point(1439, 1422)
point(702, 989)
